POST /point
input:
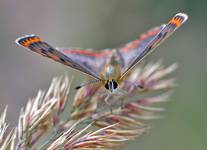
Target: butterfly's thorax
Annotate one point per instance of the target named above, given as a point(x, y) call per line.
point(112, 70)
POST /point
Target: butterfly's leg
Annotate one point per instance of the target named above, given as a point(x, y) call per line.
point(123, 93)
point(107, 102)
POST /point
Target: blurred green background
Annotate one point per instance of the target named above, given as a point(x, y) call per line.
point(102, 24)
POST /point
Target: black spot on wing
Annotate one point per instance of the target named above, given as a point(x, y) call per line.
point(159, 35)
point(149, 48)
point(164, 35)
point(21, 41)
point(62, 60)
point(179, 18)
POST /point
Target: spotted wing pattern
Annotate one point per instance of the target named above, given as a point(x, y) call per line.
point(165, 31)
point(37, 45)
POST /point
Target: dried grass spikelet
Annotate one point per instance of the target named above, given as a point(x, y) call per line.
point(91, 124)
point(42, 113)
point(6, 141)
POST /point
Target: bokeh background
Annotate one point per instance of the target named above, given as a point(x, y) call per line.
point(103, 24)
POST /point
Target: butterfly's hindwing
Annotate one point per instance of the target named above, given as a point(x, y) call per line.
point(93, 60)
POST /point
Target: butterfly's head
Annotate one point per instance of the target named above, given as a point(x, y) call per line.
point(111, 85)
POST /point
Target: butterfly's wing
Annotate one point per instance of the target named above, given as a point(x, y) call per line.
point(131, 50)
point(151, 42)
point(37, 45)
point(91, 59)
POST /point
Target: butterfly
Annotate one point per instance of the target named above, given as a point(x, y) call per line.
point(108, 67)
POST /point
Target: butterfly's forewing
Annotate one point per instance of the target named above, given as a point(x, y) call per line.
point(36, 44)
point(165, 31)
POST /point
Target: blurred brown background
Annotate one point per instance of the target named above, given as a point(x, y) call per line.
point(103, 24)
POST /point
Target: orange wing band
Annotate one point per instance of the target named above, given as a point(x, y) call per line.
point(177, 20)
point(28, 40)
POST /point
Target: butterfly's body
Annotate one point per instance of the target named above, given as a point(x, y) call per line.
point(108, 67)
point(111, 73)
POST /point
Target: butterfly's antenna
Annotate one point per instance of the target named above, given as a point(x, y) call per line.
point(86, 84)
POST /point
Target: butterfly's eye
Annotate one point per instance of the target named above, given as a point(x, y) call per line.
point(107, 85)
point(115, 84)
